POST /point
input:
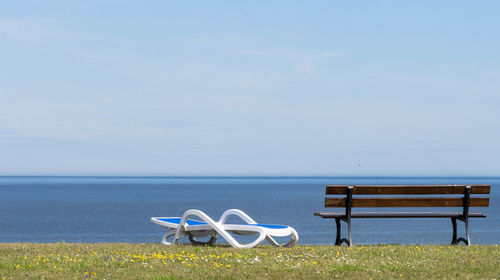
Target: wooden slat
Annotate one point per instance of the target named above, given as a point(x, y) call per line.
point(406, 189)
point(399, 215)
point(408, 202)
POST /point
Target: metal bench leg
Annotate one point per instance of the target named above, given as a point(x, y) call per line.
point(349, 232)
point(454, 224)
point(456, 240)
point(467, 236)
point(338, 239)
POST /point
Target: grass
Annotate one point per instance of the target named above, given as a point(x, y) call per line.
point(154, 261)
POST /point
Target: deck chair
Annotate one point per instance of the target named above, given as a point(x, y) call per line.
point(206, 226)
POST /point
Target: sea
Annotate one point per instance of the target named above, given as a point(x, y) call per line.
point(94, 209)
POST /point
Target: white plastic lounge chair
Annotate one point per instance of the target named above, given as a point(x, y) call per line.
point(206, 226)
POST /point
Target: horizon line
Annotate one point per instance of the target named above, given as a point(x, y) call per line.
point(248, 175)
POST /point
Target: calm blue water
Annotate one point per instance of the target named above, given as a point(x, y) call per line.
point(117, 209)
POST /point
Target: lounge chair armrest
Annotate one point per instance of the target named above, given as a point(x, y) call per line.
point(238, 213)
point(192, 212)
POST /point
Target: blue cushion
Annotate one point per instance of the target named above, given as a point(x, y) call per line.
point(178, 220)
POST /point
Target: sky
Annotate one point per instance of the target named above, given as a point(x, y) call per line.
point(331, 88)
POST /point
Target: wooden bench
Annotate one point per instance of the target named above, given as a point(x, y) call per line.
point(404, 196)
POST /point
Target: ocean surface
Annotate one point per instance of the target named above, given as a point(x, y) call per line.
point(118, 209)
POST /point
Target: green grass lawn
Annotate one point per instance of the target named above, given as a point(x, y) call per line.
point(154, 261)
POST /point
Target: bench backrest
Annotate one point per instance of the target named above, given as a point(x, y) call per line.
point(406, 196)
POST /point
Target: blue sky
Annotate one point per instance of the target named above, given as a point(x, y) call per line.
point(255, 88)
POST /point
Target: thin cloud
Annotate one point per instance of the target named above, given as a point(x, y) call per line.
point(6, 131)
point(32, 29)
point(291, 55)
point(307, 63)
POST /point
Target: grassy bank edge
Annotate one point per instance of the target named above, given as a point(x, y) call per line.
point(155, 261)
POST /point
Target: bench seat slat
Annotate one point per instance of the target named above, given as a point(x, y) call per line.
point(399, 215)
point(404, 189)
point(408, 202)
